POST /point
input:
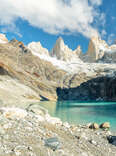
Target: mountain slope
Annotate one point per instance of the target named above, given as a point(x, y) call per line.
point(46, 75)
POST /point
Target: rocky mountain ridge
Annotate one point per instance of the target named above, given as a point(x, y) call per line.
point(57, 75)
point(98, 51)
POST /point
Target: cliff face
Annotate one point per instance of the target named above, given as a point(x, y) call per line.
point(96, 49)
point(97, 89)
point(64, 53)
point(51, 79)
point(99, 51)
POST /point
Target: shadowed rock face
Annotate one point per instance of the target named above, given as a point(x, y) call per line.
point(97, 89)
point(3, 71)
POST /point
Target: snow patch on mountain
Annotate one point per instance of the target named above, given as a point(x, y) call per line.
point(3, 39)
point(98, 56)
point(36, 47)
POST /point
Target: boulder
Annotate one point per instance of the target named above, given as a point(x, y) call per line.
point(105, 125)
point(52, 120)
point(52, 143)
point(94, 126)
point(112, 140)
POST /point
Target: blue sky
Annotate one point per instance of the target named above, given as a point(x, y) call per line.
point(45, 20)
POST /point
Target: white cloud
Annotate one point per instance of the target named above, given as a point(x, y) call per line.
point(53, 16)
point(102, 19)
point(103, 33)
point(111, 38)
point(11, 28)
point(96, 2)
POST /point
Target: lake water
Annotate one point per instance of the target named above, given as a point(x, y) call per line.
point(82, 112)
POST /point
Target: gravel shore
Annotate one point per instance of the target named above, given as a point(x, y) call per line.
point(33, 132)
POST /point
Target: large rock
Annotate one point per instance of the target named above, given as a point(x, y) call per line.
point(53, 143)
point(105, 125)
point(112, 140)
point(94, 126)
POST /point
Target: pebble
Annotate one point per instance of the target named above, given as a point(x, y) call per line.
point(66, 124)
point(53, 143)
point(93, 142)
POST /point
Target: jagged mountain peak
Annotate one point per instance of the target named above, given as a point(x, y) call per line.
point(60, 39)
point(60, 50)
point(37, 48)
point(60, 43)
point(96, 49)
point(15, 42)
point(96, 37)
point(3, 38)
point(78, 51)
point(78, 48)
point(19, 44)
point(64, 53)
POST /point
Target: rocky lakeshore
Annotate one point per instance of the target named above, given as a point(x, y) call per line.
point(30, 74)
point(33, 132)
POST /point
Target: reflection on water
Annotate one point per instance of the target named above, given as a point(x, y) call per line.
point(82, 113)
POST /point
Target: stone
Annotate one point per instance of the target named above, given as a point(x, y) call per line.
point(94, 126)
point(84, 136)
point(50, 140)
point(105, 125)
point(37, 109)
point(53, 143)
point(93, 142)
point(112, 140)
point(66, 124)
point(52, 120)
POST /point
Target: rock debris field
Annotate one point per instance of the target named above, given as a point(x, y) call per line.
point(33, 132)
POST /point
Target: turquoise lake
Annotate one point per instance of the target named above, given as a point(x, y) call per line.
point(82, 112)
